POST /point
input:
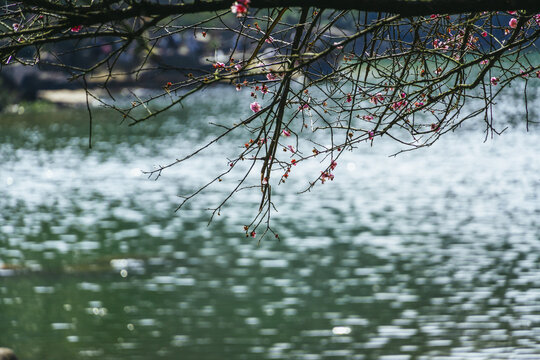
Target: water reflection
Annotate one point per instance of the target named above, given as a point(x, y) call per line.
point(433, 255)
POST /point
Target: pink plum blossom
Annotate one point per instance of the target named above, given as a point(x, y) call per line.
point(513, 23)
point(399, 104)
point(239, 9)
point(255, 107)
point(494, 80)
point(326, 176)
point(378, 97)
point(271, 76)
point(286, 133)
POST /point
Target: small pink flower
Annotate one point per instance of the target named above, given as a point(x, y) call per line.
point(255, 107)
point(494, 80)
point(303, 107)
point(333, 165)
point(264, 89)
point(286, 133)
point(399, 104)
point(218, 65)
point(253, 234)
point(371, 135)
point(367, 117)
point(271, 76)
point(238, 67)
point(76, 28)
point(326, 176)
point(349, 97)
point(484, 62)
point(238, 87)
point(16, 27)
point(513, 23)
point(286, 175)
point(239, 9)
point(484, 34)
point(377, 98)
point(291, 149)
point(269, 40)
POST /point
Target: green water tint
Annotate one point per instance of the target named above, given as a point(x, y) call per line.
point(431, 256)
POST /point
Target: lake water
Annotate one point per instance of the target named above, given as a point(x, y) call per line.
point(434, 254)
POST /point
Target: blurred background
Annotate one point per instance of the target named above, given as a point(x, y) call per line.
point(433, 254)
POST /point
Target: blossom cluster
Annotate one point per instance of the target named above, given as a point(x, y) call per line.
point(240, 7)
point(377, 101)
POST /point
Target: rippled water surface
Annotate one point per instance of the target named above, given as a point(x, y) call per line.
point(434, 254)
